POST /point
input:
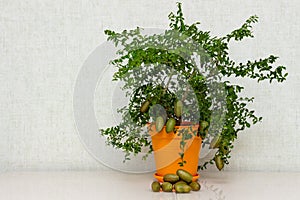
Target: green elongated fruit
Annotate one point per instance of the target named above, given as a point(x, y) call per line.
point(172, 178)
point(167, 187)
point(219, 162)
point(215, 143)
point(159, 123)
point(170, 125)
point(155, 186)
point(182, 188)
point(184, 175)
point(178, 108)
point(179, 182)
point(195, 186)
point(145, 106)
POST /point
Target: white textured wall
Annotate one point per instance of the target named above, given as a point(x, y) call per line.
point(44, 43)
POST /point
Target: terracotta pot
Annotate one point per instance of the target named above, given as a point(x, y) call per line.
point(166, 147)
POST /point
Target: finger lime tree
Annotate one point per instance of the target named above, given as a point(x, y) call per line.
point(180, 75)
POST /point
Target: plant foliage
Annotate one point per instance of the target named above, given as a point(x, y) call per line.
point(162, 69)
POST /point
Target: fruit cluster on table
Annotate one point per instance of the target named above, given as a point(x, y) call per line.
point(181, 182)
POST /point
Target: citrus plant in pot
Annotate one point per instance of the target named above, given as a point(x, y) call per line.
point(180, 97)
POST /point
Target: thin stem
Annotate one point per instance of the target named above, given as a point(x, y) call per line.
point(168, 83)
point(185, 93)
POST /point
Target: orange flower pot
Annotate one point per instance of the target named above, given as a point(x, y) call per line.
point(166, 148)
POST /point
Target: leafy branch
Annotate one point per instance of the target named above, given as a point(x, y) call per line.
point(145, 61)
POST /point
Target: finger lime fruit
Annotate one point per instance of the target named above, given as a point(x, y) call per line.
point(145, 106)
point(219, 162)
point(155, 186)
point(167, 187)
point(184, 175)
point(195, 186)
point(172, 178)
point(182, 188)
point(215, 143)
point(178, 108)
point(179, 182)
point(159, 123)
point(170, 125)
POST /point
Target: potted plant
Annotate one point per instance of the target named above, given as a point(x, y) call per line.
point(179, 90)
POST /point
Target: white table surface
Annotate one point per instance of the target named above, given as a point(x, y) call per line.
point(106, 185)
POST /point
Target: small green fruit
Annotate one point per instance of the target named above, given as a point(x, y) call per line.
point(155, 186)
point(182, 188)
point(178, 108)
point(167, 187)
point(195, 186)
point(219, 162)
point(179, 182)
point(159, 123)
point(170, 125)
point(172, 178)
point(145, 106)
point(184, 175)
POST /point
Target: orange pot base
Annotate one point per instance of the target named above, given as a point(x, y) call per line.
point(166, 147)
point(160, 178)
